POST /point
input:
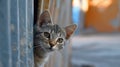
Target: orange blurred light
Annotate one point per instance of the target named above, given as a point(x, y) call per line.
point(83, 5)
point(102, 4)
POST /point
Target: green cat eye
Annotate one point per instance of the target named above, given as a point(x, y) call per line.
point(47, 35)
point(60, 40)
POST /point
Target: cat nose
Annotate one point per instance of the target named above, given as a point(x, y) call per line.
point(52, 43)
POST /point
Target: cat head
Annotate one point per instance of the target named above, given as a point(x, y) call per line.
point(51, 36)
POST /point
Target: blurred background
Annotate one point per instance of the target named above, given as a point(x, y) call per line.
point(95, 43)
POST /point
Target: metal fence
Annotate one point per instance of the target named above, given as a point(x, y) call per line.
point(16, 33)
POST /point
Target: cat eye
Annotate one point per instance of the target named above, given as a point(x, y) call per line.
point(60, 40)
point(47, 35)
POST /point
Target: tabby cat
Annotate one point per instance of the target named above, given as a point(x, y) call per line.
point(49, 37)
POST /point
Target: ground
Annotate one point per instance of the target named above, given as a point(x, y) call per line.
point(102, 50)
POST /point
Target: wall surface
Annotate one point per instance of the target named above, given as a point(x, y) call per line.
point(16, 33)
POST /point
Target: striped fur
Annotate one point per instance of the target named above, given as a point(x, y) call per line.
point(49, 37)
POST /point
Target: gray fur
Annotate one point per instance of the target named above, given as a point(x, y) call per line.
point(44, 45)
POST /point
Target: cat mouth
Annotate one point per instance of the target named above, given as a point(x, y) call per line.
point(51, 47)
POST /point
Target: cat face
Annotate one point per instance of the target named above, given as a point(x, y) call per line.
point(50, 36)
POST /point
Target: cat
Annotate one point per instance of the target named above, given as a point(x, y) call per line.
point(49, 37)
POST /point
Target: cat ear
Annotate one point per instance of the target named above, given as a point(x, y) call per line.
point(69, 30)
point(44, 18)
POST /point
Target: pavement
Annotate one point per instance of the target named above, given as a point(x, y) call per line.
point(102, 50)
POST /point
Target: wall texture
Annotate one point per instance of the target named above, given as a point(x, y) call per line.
point(16, 33)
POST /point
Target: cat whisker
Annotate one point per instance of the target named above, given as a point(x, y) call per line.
point(37, 46)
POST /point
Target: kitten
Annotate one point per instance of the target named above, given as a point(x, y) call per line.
point(49, 37)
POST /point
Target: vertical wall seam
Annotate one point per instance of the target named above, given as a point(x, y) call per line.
point(32, 28)
point(18, 33)
point(9, 35)
point(42, 6)
point(32, 8)
point(26, 17)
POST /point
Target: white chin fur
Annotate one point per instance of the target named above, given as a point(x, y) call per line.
point(55, 47)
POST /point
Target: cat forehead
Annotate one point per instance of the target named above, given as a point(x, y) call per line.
point(55, 28)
